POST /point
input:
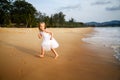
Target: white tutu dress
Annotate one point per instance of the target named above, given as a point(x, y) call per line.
point(47, 44)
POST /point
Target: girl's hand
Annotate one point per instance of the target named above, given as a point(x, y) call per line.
point(50, 38)
point(50, 34)
point(39, 36)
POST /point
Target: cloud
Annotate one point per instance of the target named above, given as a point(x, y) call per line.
point(113, 8)
point(101, 3)
point(70, 7)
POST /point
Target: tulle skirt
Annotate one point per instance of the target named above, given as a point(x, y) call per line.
point(48, 44)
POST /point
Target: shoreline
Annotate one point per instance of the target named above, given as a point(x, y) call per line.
point(77, 59)
point(94, 35)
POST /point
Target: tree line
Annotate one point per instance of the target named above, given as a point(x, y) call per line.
point(19, 13)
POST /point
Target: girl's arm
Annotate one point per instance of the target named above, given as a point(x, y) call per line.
point(49, 33)
point(39, 36)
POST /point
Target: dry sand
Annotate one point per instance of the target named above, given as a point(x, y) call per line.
point(20, 47)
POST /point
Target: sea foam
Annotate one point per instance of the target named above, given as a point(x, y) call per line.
point(108, 37)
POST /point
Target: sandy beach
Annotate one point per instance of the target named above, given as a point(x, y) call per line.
point(19, 60)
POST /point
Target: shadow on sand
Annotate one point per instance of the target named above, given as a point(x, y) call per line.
point(21, 48)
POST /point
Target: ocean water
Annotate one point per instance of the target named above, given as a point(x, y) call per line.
point(108, 37)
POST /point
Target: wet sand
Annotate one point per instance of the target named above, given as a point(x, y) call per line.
point(19, 60)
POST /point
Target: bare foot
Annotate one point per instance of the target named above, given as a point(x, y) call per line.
point(56, 56)
point(41, 56)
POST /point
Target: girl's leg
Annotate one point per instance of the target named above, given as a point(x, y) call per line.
point(42, 52)
point(53, 50)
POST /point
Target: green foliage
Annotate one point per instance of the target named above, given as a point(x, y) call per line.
point(19, 13)
point(5, 9)
point(71, 20)
point(23, 12)
point(57, 20)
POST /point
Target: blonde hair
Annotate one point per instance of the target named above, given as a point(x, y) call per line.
point(40, 24)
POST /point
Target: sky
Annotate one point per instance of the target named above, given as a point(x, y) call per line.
point(81, 10)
